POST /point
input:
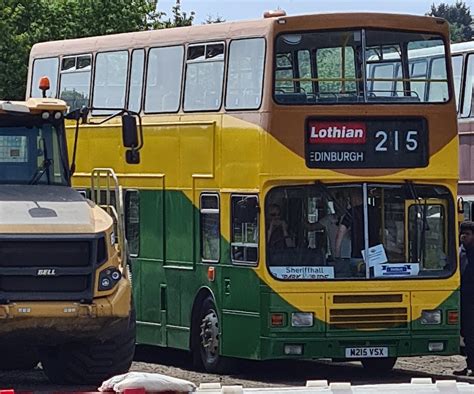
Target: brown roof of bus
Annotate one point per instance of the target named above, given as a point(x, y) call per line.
point(221, 31)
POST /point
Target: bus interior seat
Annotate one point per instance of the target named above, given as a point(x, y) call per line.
point(291, 98)
point(391, 99)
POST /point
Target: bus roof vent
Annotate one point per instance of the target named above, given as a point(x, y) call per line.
point(274, 13)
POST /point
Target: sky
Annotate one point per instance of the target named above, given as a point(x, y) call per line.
point(231, 10)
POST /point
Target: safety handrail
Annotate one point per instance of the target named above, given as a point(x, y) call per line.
point(105, 180)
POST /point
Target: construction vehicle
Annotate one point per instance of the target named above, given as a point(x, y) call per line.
point(65, 292)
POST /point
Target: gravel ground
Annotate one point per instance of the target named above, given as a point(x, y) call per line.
point(256, 374)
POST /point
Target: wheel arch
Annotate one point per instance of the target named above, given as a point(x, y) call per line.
point(202, 294)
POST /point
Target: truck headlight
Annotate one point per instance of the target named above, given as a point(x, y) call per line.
point(301, 319)
point(431, 317)
point(108, 278)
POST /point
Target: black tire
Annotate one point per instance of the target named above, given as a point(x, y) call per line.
point(379, 365)
point(18, 359)
point(91, 362)
point(206, 349)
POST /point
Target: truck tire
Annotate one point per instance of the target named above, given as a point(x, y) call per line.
point(18, 359)
point(91, 362)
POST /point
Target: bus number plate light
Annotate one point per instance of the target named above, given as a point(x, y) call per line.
point(435, 346)
point(293, 350)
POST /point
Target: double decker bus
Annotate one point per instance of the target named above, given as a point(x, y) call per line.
point(463, 73)
point(291, 201)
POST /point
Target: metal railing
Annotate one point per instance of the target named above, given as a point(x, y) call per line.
point(107, 193)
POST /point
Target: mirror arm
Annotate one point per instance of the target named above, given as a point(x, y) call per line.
point(140, 127)
point(110, 117)
point(73, 161)
point(120, 113)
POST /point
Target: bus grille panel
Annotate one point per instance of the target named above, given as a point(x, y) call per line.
point(368, 318)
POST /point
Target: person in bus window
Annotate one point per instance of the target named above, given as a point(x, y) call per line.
point(335, 212)
point(278, 236)
point(353, 220)
point(467, 296)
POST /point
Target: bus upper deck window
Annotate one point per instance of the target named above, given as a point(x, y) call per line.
point(343, 68)
point(164, 77)
point(75, 80)
point(245, 73)
point(204, 77)
point(45, 68)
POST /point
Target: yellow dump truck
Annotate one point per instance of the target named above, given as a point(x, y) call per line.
point(65, 292)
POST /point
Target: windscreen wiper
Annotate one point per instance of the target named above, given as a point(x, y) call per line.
point(40, 172)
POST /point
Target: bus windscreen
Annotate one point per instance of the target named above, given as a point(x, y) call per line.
point(320, 232)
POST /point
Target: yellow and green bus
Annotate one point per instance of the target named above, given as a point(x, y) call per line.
point(291, 201)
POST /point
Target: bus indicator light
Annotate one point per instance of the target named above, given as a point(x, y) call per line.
point(453, 317)
point(277, 319)
point(211, 274)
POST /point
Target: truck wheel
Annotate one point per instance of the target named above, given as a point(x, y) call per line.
point(207, 347)
point(18, 359)
point(379, 365)
point(91, 362)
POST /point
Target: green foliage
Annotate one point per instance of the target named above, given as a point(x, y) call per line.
point(179, 18)
point(459, 17)
point(210, 19)
point(26, 22)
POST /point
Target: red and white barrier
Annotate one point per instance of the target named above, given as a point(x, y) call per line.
point(147, 383)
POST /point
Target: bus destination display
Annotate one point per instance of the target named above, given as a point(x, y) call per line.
point(366, 143)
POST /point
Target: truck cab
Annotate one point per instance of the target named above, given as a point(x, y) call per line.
point(65, 291)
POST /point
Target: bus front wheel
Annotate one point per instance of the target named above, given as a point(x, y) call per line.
point(208, 344)
point(379, 365)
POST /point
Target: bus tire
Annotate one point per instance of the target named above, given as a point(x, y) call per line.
point(207, 344)
point(379, 365)
point(18, 359)
point(91, 362)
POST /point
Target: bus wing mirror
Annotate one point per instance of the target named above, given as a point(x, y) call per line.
point(130, 138)
point(132, 156)
point(129, 131)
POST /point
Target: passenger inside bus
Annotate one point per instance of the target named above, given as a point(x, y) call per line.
point(278, 236)
point(354, 220)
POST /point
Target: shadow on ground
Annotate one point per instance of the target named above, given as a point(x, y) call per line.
point(284, 372)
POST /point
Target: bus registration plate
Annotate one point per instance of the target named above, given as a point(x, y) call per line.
point(366, 352)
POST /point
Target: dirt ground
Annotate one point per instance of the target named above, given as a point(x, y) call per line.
point(257, 374)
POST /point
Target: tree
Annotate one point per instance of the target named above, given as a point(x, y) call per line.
point(26, 22)
point(459, 17)
point(180, 18)
point(210, 19)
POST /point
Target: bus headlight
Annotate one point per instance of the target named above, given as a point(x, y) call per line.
point(301, 319)
point(431, 317)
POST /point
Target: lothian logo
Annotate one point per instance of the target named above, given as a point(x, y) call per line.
point(337, 133)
